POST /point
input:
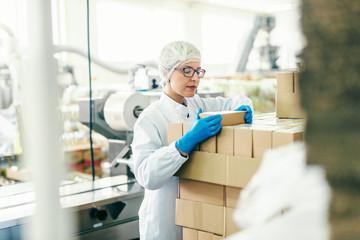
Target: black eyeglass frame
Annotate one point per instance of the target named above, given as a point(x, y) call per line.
point(195, 70)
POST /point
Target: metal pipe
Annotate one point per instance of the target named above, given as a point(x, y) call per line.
point(124, 70)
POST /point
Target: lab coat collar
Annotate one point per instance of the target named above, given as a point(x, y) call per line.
point(179, 109)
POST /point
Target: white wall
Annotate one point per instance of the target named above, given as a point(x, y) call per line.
point(193, 12)
point(286, 34)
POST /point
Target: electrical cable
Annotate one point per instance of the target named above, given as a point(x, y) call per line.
point(90, 93)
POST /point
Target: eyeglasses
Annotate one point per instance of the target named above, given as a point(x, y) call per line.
point(189, 72)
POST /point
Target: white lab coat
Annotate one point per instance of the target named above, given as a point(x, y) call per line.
point(156, 162)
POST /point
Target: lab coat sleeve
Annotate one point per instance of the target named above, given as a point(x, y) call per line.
point(155, 163)
point(225, 104)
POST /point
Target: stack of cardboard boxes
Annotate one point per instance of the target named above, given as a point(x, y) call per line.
point(220, 167)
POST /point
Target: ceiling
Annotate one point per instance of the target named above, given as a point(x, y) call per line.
point(265, 6)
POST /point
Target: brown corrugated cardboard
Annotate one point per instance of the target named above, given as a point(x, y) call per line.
point(262, 141)
point(190, 234)
point(225, 141)
point(296, 82)
point(206, 167)
point(231, 196)
point(201, 216)
point(205, 235)
point(175, 132)
point(230, 118)
point(217, 237)
point(230, 225)
point(286, 136)
point(240, 170)
point(185, 129)
point(286, 82)
point(243, 142)
point(17, 174)
point(201, 192)
point(288, 96)
point(288, 106)
point(209, 145)
point(220, 169)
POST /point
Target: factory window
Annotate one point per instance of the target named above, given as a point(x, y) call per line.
point(221, 35)
point(13, 15)
point(133, 33)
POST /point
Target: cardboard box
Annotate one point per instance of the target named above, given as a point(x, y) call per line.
point(287, 81)
point(240, 170)
point(202, 216)
point(184, 131)
point(230, 118)
point(205, 235)
point(220, 169)
point(209, 145)
point(205, 167)
point(231, 196)
point(175, 132)
point(225, 141)
point(243, 144)
point(230, 225)
point(217, 237)
point(262, 140)
point(288, 96)
point(288, 106)
point(286, 136)
point(190, 234)
point(202, 192)
point(208, 219)
point(17, 174)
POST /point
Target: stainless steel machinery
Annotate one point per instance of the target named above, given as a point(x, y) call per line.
point(104, 209)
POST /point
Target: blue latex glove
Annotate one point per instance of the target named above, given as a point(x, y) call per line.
point(248, 116)
point(199, 130)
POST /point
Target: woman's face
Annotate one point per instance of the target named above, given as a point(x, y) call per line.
point(180, 86)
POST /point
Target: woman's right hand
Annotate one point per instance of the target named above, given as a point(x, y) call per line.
point(199, 130)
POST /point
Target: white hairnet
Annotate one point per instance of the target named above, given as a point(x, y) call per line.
point(174, 54)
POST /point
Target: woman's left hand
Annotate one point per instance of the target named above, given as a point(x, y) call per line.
point(248, 116)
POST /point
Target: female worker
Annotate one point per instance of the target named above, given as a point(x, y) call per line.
point(155, 161)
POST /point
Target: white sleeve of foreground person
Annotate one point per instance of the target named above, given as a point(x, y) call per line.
point(286, 199)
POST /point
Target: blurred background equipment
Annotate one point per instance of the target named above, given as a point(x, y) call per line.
point(104, 209)
point(263, 24)
point(114, 118)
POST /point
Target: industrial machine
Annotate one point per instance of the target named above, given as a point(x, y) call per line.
point(268, 52)
point(106, 208)
point(114, 118)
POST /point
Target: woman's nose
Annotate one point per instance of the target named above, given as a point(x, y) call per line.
point(195, 77)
